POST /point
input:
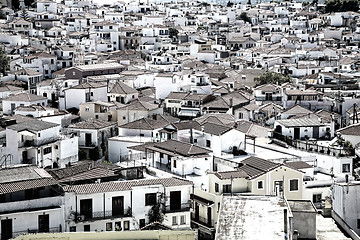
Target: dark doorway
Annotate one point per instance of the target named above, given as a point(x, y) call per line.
point(118, 206)
point(86, 208)
point(316, 132)
point(88, 139)
point(209, 216)
point(6, 229)
point(44, 223)
point(296, 133)
point(175, 200)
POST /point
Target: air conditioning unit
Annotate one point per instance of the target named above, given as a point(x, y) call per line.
point(80, 218)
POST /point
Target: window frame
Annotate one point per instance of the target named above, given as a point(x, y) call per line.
point(149, 201)
point(294, 190)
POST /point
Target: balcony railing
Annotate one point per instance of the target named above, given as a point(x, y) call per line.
point(102, 215)
point(36, 143)
point(49, 230)
point(203, 221)
point(181, 208)
point(260, 98)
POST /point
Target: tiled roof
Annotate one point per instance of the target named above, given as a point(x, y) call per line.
point(298, 165)
point(232, 174)
point(32, 126)
point(88, 85)
point(122, 88)
point(24, 97)
point(140, 106)
point(213, 128)
point(26, 184)
point(260, 164)
point(92, 124)
point(125, 185)
point(180, 148)
point(301, 122)
point(353, 130)
point(296, 109)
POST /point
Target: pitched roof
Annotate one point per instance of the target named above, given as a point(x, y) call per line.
point(122, 88)
point(353, 130)
point(239, 173)
point(92, 123)
point(296, 109)
point(88, 85)
point(301, 122)
point(157, 121)
point(32, 126)
point(179, 148)
point(298, 165)
point(139, 106)
point(24, 97)
point(213, 128)
point(124, 185)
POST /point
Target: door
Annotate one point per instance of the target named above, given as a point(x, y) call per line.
point(6, 229)
point(44, 223)
point(209, 216)
point(24, 157)
point(278, 188)
point(197, 210)
point(87, 139)
point(175, 200)
point(86, 208)
point(118, 206)
point(316, 132)
point(296, 133)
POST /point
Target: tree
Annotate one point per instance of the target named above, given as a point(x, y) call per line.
point(4, 62)
point(341, 5)
point(243, 16)
point(173, 32)
point(229, 4)
point(271, 77)
point(24, 15)
point(156, 212)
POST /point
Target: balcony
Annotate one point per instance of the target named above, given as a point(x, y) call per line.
point(261, 98)
point(202, 84)
point(202, 221)
point(36, 143)
point(102, 215)
point(182, 208)
point(49, 230)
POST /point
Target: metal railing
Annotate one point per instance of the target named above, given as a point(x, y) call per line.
point(181, 208)
point(103, 215)
point(49, 230)
point(203, 221)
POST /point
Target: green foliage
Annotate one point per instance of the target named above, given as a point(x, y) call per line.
point(4, 61)
point(229, 4)
point(2, 15)
point(156, 212)
point(341, 5)
point(271, 77)
point(173, 32)
point(243, 16)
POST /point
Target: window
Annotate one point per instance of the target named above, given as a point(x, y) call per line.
point(118, 226)
point(174, 163)
point(47, 150)
point(260, 184)
point(73, 229)
point(87, 109)
point(182, 219)
point(227, 188)
point(174, 220)
point(316, 198)
point(39, 134)
point(195, 140)
point(294, 184)
point(109, 226)
point(216, 187)
point(124, 117)
point(346, 168)
point(150, 199)
point(126, 225)
point(161, 155)
point(208, 143)
point(141, 223)
point(241, 115)
point(86, 228)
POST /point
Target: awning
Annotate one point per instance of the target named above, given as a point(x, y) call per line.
point(201, 200)
point(155, 149)
point(188, 112)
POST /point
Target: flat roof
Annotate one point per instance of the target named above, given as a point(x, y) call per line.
point(251, 217)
